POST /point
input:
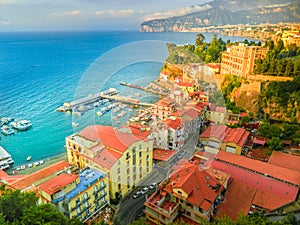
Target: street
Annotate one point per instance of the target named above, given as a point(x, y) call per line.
point(129, 206)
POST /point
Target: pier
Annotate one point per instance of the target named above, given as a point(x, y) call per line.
point(84, 104)
point(87, 101)
point(147, 89)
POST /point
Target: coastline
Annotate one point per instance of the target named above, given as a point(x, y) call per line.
point(47, 162)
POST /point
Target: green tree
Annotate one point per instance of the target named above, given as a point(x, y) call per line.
point(199, 39)
point(275, 144)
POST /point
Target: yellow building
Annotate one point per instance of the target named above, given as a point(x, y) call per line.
point(224, 138)
point(76, 195)
point(125, 158)
point(240, 60)
point(216, 114)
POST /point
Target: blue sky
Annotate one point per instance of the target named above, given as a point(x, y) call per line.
point(32, 15)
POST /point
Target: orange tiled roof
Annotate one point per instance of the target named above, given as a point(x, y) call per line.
point(198, 184)
point(162, 155)
point(110, 137)
point(58, 183)
point(174, 124)
point(186, 84)
point(138, 129)
point(285, 160)
point(107, 158)
point(28, 180)
point(226, 134)
point(271, 170)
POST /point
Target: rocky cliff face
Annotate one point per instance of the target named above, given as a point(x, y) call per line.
point(222, 12)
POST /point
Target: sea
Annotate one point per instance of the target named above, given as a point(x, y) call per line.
point(39, 71)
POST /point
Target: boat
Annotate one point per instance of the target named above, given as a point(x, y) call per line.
point(21, 125)
point(28, 158)
point(6, 130)
point(75, 124)
point(5, 159)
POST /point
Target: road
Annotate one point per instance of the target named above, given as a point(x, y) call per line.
point(130, 206)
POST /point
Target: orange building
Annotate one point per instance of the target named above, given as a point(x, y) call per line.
point(190, 194)
point(240, 60)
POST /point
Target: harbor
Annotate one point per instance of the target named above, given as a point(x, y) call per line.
point(6, 160)
point(162, 92)
point(100, 99)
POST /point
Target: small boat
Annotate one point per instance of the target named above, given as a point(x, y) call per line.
point(7, 130)
point(21, 125)
point(28, 158)
point(75, 124)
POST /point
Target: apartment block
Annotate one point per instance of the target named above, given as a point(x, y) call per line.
point(240, 60)
point(125, 158)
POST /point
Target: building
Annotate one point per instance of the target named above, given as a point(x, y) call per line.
point(168, 134)
point(216, 114)
point(191, 193)
point(227, 139)
point(256, 185)
point(164, 108)
point(79, 195)
point(240, 60)
point(125, 158)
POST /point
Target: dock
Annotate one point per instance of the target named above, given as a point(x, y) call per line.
point(147, 89)
point(85, 103)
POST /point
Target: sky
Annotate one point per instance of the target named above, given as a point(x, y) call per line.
point(57, 15)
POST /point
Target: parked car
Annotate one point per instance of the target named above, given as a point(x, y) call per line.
point(152, 186)
point(144, 190)
point(137, 194)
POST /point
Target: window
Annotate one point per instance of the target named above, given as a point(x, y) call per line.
point(119, 162)
point(140, 147)
point(140, 154)
point(118, 170)
point(133, 151)
point(119, 186)
point(127, 155)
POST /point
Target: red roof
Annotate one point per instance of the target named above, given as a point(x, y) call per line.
point(57, 183)
point(270, 170)
point(213, 65)
point(162, 155)
point(226, 134)
point(185, 84)
point(138, 129)
point(238, 199)
point(110, 137)
point(198, 184)
point(285, 160)
point(30, 179)
point(174, 123)
point(218, 109)
point(107, 158)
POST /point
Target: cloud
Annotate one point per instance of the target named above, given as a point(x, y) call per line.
point(177, 12)
point(115, 13)
point(67, 13)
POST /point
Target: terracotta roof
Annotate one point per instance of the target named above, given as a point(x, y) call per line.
point(30, 179)
point(214, 66)
point(215, 108)
point(285, 160)
point(191, 113)
point(198, 184)
point(174, 123)
point(138, 129)
point(238, 199)
point(226, 134)
point(107, 158)
point(186, 84)
point(110, 137)
point(58, 183)
point(270, 170)
point(162, 155)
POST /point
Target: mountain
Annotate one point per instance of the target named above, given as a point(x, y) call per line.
point(222, 12)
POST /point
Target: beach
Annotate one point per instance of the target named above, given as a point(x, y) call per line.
point(47, 162)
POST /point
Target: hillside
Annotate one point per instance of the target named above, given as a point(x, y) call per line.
point(222, 12)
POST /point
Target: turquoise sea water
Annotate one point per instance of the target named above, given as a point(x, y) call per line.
point(40, 71)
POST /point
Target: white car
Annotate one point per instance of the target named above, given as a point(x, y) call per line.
point(152, 186)
point(144, 190)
